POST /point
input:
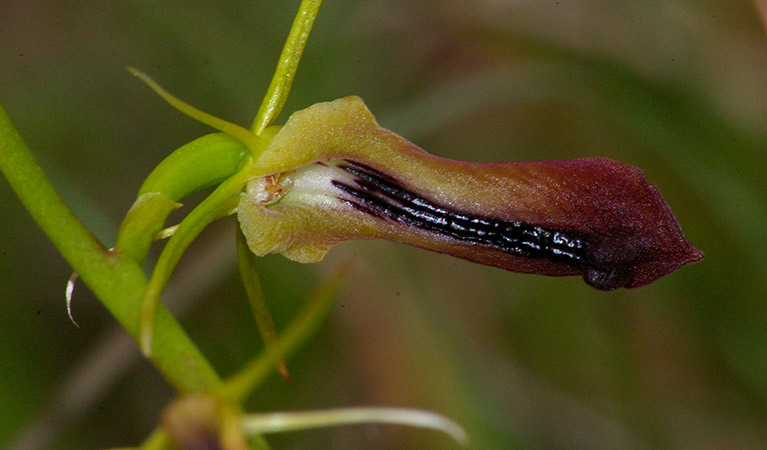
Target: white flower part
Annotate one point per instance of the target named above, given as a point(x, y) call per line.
point(280, 422)
point(68, 292)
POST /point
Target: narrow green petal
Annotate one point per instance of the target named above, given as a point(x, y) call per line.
point(242, 134)
point(261, 314)
point(239, 386)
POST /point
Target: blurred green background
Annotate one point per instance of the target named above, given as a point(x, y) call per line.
point(676, 87)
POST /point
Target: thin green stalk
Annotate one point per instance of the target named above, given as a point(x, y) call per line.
point(238, 387)
point(117, 282)
point(279, 88)
point(261, 314)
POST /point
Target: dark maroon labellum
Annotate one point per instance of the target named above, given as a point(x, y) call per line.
point(607, 263)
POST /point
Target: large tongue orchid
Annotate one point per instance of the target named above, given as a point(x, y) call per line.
point(332, 174)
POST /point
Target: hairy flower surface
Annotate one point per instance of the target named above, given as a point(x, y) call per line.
point(332, 174)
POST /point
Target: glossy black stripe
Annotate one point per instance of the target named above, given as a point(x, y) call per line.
point(382, 196)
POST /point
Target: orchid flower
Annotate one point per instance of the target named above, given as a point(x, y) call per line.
point(332, 174)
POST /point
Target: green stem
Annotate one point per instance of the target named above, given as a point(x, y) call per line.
point(279, 88)
point(118, 282)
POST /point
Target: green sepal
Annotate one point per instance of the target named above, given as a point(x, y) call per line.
point(142, 223)
point(204, 162)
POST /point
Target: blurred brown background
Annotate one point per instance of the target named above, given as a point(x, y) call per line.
point(676, 87)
